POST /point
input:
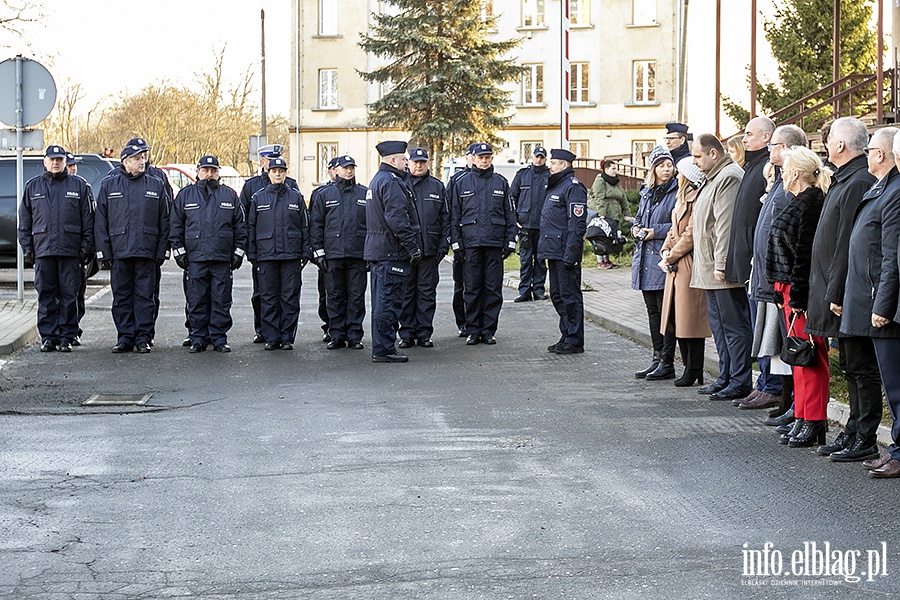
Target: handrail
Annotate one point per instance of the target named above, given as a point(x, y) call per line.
point(802, 101)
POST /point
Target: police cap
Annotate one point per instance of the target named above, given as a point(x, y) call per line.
point(270, 150)
point(55, 152)
point(344, 161)
point(676, 128)
point(418, 154)
point(277, 163)
point(562, 154)
point(540, 151)
point(208, 161)
point(482, 148)
point(391, 147)
point(136, 141)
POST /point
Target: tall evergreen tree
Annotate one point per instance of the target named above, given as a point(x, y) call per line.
point(445, 74)
point(801, 37)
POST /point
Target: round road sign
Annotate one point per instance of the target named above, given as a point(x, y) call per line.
point(38, 92)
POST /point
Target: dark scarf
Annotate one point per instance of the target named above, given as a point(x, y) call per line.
point(345, 184)
point(557, 177)
point(613, 181)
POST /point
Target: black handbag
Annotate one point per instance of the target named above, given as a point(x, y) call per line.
point(797, 350)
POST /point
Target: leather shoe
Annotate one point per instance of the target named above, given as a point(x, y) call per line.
point(472, 340)
point(843, 440)
point(889, 470)
point(877, 463)
point(522, 298)
point(76, 341)
point(487, 338)
point(729, 394)
point(552, 347)
point(122, 348)
point(762, 400)
point(287, 346)
point(143, 348)
point(857, 452)
point(712, 388)
point(195, 348)
point(272, 346)
point(224, 348)
point(461, 332)
point(663, 371)
point(259, 338)
point(643, 373)
point(540, 296)
point(564, 348)
point(406, 344)
point(355, 345)
point(326, 337)
point(336, 344)
point(785, 419)
point(186, 342)
point(426, 343)
point(747, 398)
point(65, 347)
point(48, 346)
point(390, 358)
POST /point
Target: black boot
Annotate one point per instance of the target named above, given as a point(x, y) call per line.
point(665, 370)
point(651, 368)
point(785, 419)
point(812, 432)
point(787, 396)
point(786, 437)
point(692, 358)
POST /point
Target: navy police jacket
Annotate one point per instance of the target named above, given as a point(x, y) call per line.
point(278, 225)
point(207, 223)
point(392, 223)
point(56, 216)
point(527, 192)
point(480, 211)
point(563, 218)
point(434, 217)
point(337, 215)
point(258, 182)
point(132, 217)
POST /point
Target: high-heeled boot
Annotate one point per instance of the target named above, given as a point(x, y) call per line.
point(787, 396)
point(653, 364)
point(812, 432)
point(786, 437)
point(692, 357)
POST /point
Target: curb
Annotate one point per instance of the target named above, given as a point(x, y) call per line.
point(18, 325)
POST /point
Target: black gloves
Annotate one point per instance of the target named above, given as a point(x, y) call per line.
point(86, 257)
point(320, 262)
point(182, 261)
point(439, 257)
point(303, 262)
point(507, 252)
point(236, 261)
point(160, 261)
point(416, 257)
point(459, 255)
point(524, 239)
point(28, 260)
point(106, 264)
point(569, 266)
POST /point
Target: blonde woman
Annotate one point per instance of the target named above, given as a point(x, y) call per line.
point(735, 147)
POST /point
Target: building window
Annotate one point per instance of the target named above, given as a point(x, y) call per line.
point(643, 12)
point(579, 148)
point(640, 149)
point(328, 17)
point(527, 150)
point(578, 83)
point(644, 77)
point(328, 92)
point(533, 85)
point(532, 13)
point(324, 153)
point(580, 12)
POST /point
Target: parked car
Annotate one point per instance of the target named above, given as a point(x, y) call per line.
point(92, 167)
point(181, 175)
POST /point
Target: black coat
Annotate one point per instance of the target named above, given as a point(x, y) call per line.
point(872, 276)
point(563, 219)
point(434, 215)
point(760, 288)
point(338, 220)
point(828, 270)
point(527, 193)
point(481, 214)
point(56, 216)
point(207, 223)
point(746, 213)
point(790, 244)
point(392, 223)
point(132, 217)
point(278, 225)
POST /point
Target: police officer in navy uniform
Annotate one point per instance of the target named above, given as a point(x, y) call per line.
point(208, 235)
point(459, 300)
point(251, 186)
point(393, 246)
point(131, 232)
point(90, 268)
point(417, 315)
point(278, 231)
point(56, 223)
point(483, 234)
point(563, 223)
point(527, 192)
point(320, 276)
point(338, 234)
point(677, 141)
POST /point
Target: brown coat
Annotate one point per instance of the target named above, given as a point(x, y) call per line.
point(686, 304)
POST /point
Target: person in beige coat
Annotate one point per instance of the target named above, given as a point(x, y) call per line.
point(684, 307)
point(726, 301)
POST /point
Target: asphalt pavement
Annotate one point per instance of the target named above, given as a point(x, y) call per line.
point(470, 472)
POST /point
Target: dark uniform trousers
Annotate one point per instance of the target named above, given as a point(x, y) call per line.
point(417, 316)
point(389, 282)
point(483, 281)
point(323, 300)
point(729, 319)
point(133, 281)
point(860, 366)
point(459, 299)
point(209, 297)
point(565, 293)
point(345, 284)
point(532, 271)
point(887, 350)
point(57, 280)
point(279, 299)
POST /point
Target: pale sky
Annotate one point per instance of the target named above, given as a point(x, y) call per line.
point(96, 42)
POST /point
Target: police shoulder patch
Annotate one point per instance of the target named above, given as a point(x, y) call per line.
point(578, 210)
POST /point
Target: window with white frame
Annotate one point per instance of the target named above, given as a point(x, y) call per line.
point(328, 17)
point(324, 153)
point(533, 84)
point(580, 12)
point(579, 148)
point(640, 149)
point(644, 79)
point(328, 90)
point(578, 83)
point(643, 12)
point(527, 149)
point(532, 13)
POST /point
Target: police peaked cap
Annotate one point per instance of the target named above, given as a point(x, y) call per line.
point(270, 150)
point(71, 159)
point(208, 161)
point(55, 152)
point(562, 154)
point(471, 148)
point(277, 163)
point(136, 141)
point(344, 161)
point(333, 163)
point(418, 154)
point(676, 128)
point(539, 151)
point(391, 147)
point(131, 150)
point(482, 149)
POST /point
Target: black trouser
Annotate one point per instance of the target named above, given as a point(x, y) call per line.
point(532, 270)
point(483, 280)
point(729, 319)
point(254, 301)
point(323, 300)
point(663, 345)
point(279, 299)
point(345, 291)
point(459, 289)
point(692, 350)
point(209, 286)
point(57, 280)
point(133, 282)
point(860, 367)
point(417, 316)
point(389, 281)
point(567, 299)
point(887, 350)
